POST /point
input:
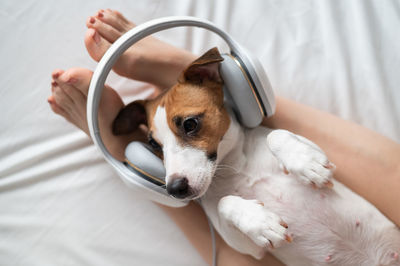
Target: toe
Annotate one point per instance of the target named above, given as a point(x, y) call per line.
point(56, 108)
point(70, 97)
point(95, 44)
point(120, 16)
point(62, 100)
point(56, 73)
point(106, 31)
point(116, 20)
point(276, 239)
point(78, 78)
point(53, 85)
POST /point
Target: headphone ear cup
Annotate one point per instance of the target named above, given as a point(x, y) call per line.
point(144, 162)
point(239, 92)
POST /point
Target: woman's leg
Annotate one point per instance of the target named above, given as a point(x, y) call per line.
point(149, 60)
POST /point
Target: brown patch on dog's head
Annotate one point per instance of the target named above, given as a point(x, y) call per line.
point(135, 114)
point(130, 118)
point(199, 96)
point(203, 70)
point(197, 99)
point(185, 125)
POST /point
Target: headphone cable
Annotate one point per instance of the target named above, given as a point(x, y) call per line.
point(214, 248)
point(212, 232)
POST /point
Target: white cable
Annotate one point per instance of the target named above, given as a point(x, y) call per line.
point(212, 232)
point(214, 247)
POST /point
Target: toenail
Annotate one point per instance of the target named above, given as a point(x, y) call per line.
point(100, 15)
point(72, 80)
point(54, 84)
point(101, 10)
point(56, 75)
point(92, 20)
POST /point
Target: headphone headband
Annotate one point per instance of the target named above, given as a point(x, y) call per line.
point(256, 77)
point(102, 70)
point(119, 47)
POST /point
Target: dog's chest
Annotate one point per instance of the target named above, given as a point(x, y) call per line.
point(252, 172)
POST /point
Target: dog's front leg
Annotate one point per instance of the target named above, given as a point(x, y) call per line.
point(301, 157)
point(249, 227)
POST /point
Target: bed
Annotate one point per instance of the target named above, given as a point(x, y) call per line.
point(61, 204)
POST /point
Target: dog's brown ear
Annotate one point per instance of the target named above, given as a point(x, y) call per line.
point(129, 118)
point(205, 68)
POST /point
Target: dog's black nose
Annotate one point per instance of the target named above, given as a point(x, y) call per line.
point(179, 188)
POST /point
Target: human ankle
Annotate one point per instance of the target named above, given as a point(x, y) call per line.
point(170, 67)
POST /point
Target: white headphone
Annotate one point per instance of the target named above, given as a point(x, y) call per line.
point(247, 90)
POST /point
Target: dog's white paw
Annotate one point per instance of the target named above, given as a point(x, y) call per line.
point(264, 228)
point(301, 157)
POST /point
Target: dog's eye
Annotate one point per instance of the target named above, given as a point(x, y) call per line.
point(190, 125)
point(154, 144)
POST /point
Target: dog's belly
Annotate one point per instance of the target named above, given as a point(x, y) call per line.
point(328, 226)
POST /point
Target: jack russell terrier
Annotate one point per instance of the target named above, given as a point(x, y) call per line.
point(264, 190)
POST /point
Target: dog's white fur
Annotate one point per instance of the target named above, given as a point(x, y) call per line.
point(182, 160)
point(247, 195)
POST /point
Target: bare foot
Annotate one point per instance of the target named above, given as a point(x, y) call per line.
point(69, 95)
point(149, 60)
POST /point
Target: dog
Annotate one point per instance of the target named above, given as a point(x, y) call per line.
point(264, 190)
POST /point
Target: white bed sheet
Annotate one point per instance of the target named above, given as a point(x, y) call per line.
point(61, 204)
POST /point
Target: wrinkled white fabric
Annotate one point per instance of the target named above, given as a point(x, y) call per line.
point(61, 204)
